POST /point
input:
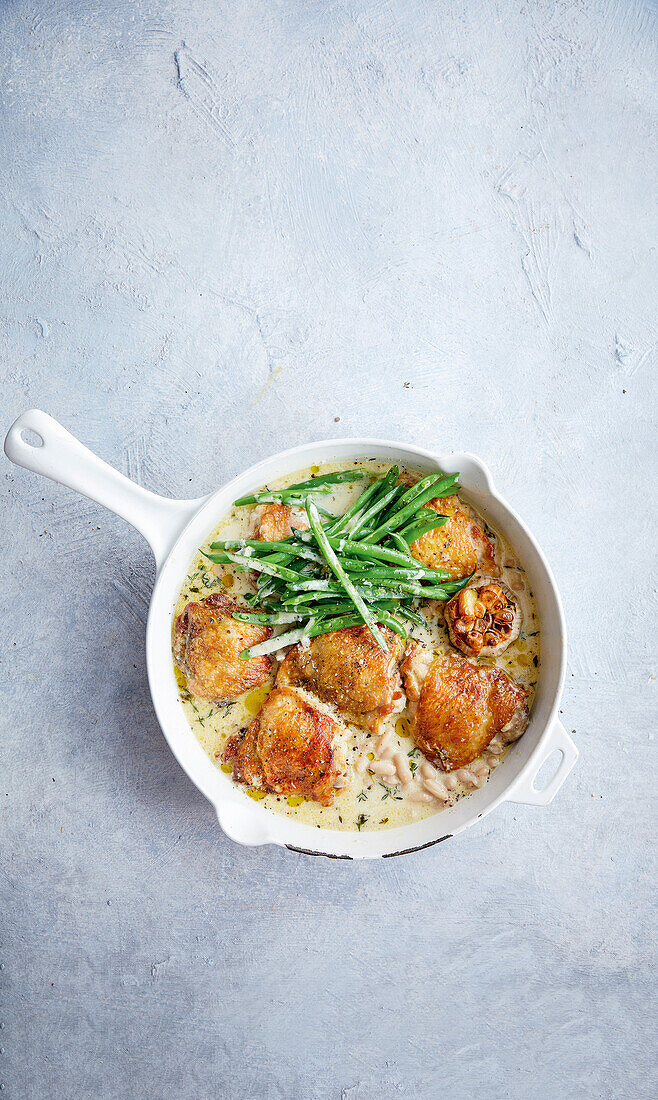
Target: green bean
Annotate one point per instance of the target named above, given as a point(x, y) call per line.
point(456, 586)
point(272, 644)
point(313, 485)
point(399, 519)
point(282, 552)
point(416, 530)
point(365, 550)
point(436, 481)
point(339, 607)
point(277, 496)
point(315, 584)
point(267, 590)
point(310, 630)
point(392, 623)
point(337, 569)
point(354, 509)
point(307, 554)
point(296, 552)
point(329, 479)
point(344, 622)
point(412, 616)
point(381, 485)
point(260, 546)
point(253, 544)
point(274, 619)
point(300, 604)
point(298, 599)
point(320, 585)
point(248, 563)
point(429, 488)
point(394, 575)
point(363, 522)
point(430, 592)
point(353, 565)
point(274, 559)
point(402, 546)
point(261, 566)
point(387, 496)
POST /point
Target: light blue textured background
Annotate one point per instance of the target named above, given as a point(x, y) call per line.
point(224, 226)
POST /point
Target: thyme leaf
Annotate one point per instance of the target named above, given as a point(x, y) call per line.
point(390, 793)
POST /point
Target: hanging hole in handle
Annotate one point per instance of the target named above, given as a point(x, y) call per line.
point(548, 771)
point(33, 439)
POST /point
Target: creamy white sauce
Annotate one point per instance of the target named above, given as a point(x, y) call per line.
point(367, 801)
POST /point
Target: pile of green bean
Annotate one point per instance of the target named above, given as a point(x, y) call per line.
point(345, 570)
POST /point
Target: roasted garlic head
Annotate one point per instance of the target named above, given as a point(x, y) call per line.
point(483, 620)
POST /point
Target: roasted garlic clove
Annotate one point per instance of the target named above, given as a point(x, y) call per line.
point(483, 619)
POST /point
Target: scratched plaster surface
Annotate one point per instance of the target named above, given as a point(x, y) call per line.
point(228, 227)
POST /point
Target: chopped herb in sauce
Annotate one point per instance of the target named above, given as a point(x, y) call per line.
point(390, 792)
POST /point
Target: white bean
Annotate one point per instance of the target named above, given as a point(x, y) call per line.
point(480, 769)
point(419, 796)
point(402, 765)
point(464, 776)
point(426, 770)
point(436, 787)
point(361, 764)
point(385, 741)
point(382, 767)
point(451, 781)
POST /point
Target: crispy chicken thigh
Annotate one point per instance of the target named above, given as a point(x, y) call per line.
point(292, 747)
point(348, 669)
point(277, 521)
point(460, 706)
point(207, 648)
point(460, 546)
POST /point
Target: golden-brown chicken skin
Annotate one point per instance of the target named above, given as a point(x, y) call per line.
point(207, 648)
point(292, 747)
point(277, 521)
point(460, 706)
point(460, 546)
point(348, 669)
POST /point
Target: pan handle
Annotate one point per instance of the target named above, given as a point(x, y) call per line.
point(40, 444)
point(525, 791)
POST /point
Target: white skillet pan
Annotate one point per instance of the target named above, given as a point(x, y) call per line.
point(176, 528)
